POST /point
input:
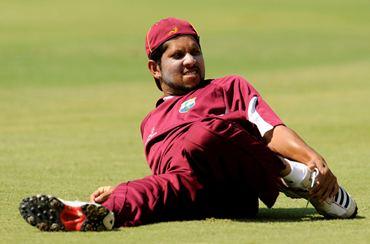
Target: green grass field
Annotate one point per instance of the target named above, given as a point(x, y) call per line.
point(74, 88)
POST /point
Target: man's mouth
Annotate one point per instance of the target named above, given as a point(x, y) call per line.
point(191, 72)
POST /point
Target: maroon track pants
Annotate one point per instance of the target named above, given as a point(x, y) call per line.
point(217, 168)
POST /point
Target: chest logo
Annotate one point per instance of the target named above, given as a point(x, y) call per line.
point(187, 105)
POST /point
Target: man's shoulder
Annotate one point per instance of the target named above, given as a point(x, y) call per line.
point(229, 80)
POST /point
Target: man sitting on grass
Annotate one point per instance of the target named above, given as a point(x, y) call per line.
point(214, 147)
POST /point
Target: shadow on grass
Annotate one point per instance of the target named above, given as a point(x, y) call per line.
point(264, 215)
point(287, 215)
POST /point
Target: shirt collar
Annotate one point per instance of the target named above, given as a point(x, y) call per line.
point(162, 100)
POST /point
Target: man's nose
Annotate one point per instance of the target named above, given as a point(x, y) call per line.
point(189, 60)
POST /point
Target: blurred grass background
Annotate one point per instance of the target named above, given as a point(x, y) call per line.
point(74, 88)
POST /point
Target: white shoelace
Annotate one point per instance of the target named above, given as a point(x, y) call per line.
point(314, 175)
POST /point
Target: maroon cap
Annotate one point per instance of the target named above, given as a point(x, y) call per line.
point(166, 29)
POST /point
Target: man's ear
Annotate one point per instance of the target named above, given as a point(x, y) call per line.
point(154, 69)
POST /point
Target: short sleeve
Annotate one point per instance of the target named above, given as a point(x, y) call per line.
point(240, 95)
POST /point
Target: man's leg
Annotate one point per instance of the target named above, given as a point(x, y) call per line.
point(236, 166)
point(297, 176)
point(210, 173)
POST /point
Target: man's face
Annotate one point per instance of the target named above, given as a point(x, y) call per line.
point(182, 66)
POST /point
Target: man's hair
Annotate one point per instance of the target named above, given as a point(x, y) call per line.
point(156, 56)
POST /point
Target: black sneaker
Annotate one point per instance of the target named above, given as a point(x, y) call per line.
point(49, 213)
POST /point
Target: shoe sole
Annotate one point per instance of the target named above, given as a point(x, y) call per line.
point(45, 213)
point(352, 216)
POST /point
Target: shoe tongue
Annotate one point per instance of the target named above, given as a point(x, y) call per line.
point(77, 203)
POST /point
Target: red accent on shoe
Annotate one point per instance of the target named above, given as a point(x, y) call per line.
point(72, 218)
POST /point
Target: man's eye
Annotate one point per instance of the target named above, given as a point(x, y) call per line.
point(177, 55)
point(196, 52)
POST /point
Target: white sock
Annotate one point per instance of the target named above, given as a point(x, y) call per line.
point(298, 175)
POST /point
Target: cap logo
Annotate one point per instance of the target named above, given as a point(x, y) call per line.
point(173, 31)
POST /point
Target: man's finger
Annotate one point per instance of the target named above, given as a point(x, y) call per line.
point(101, 198)
point(319, 191)
point(336, 189)
point(95, 194)
point(101, 194)
point(326, 193)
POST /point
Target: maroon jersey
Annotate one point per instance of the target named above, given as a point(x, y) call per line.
point(206, 156)
point(230, 97)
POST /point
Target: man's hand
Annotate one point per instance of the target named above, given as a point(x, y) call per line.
point(285, 142)
point(326, 185)
point(101, 194)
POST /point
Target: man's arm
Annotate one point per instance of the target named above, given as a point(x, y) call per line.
point(285, 142)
